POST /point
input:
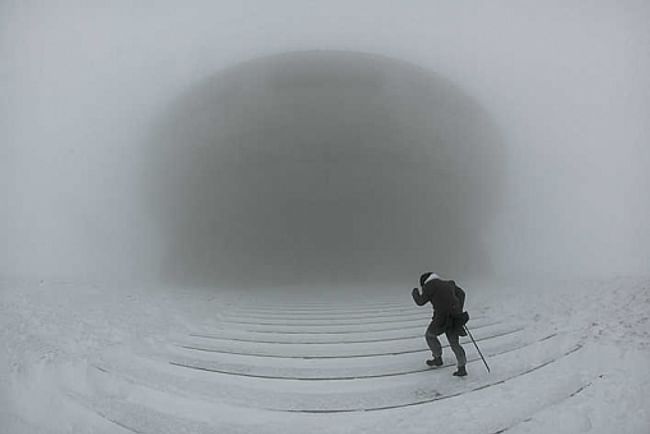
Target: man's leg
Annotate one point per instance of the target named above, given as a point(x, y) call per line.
point(458, 350)
point(435, 346)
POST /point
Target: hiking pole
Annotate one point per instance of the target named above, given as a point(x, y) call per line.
point(477, 348)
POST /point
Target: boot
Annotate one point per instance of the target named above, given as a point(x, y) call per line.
point(461, 372)
point(435, 362)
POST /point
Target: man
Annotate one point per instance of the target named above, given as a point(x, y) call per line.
point(448, 317)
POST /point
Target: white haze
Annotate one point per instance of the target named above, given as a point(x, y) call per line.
point(83, 84)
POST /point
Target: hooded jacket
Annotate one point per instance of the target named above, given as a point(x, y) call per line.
point(447, 300)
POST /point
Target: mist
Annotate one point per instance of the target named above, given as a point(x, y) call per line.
point(244, 143)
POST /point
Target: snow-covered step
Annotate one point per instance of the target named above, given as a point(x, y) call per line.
point(331, 350)
point(332, 309)
point(326, 327)
point(323, 316)
point(324, 337)
point(324, 322)
point(389, 357)
point(511, 405)
point(140, 415)
point(345, 303)
point(342, 396)
point(405, 365)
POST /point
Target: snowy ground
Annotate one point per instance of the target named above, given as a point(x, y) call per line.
point(566, 356)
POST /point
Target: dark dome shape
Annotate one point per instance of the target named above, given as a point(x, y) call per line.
point(323, 167)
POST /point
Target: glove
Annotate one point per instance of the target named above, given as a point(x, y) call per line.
point(415, 292)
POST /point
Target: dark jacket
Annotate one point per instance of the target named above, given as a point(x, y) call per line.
point(447, 300)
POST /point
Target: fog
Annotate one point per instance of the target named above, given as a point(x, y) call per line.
point(253, 144)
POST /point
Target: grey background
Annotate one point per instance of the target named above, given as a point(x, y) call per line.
point(322, 166)
point(183, 145)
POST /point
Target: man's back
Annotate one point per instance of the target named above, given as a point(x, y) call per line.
point(444, 296)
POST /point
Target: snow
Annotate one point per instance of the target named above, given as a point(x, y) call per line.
point(565, 356)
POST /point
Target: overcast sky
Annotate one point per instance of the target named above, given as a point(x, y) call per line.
point(108, 174)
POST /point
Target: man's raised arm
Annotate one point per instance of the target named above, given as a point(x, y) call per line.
point(419, 299)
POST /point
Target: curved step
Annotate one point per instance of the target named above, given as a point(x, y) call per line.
point(405, 366)
point(332, 308)
point(348, 396)
point(323, 317)
point(324, 337)
point(336, 351)
point(328, 328)
point(258, 305)
point(331, 322)
point(141, 418)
